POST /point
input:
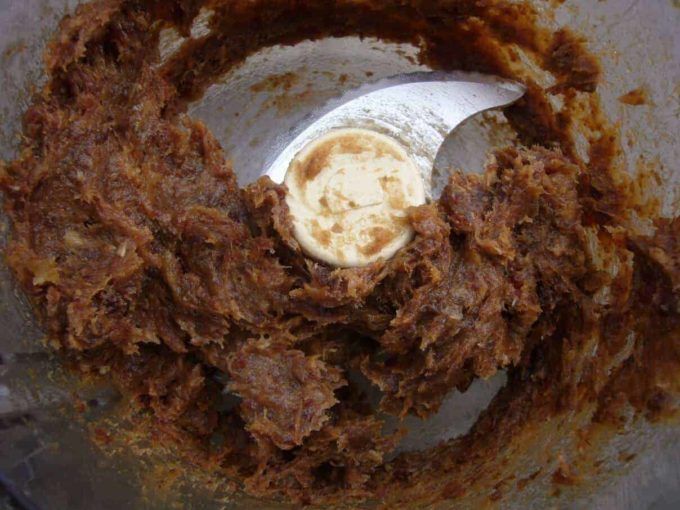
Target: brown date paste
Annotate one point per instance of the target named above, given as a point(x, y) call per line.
point(148, 264)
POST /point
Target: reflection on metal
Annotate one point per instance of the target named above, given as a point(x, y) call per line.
point(418, 109)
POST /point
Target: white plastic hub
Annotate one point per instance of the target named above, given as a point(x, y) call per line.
point(348, 193)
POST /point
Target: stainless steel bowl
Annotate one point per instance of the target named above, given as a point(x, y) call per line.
point(48, 460)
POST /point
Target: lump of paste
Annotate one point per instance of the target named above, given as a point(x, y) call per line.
point(285, 394)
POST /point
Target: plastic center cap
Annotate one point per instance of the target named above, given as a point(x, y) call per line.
point(348, 192)
point(343, 192)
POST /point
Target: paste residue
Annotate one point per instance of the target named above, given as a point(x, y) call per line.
point(150, 268)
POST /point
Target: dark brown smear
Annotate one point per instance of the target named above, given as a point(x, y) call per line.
point(322, 236)
point(380, 237)
point(636, 97)
point(146, 262)
point(306, 170)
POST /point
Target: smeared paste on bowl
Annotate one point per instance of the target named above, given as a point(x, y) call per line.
point(150, 267)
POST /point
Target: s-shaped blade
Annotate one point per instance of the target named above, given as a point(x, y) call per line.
point(419, 110)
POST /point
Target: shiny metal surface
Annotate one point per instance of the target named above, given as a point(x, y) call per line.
point(48, 456)
point(418, 109)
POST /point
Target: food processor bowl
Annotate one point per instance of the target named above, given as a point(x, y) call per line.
point(53, 451)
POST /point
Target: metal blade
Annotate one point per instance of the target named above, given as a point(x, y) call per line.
point(418, 109)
